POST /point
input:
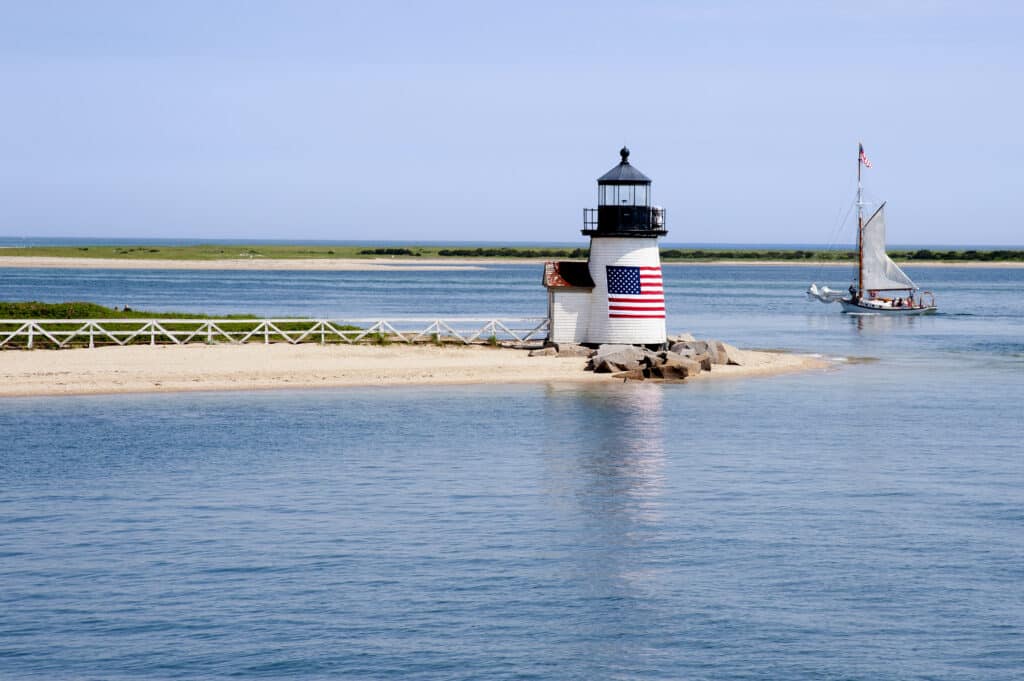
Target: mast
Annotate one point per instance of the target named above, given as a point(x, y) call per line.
point(860, 224)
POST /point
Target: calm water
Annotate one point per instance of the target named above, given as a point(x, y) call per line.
point(864, 523)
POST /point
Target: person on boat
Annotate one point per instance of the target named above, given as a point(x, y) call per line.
point(854, 298)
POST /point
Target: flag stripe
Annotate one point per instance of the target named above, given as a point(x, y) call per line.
point(635, 292)
point(622, 308)
point(637, 316)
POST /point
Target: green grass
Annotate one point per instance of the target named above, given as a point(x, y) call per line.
point(238, 326)
point(284, 252)
point(203, 252)
point(83, 310)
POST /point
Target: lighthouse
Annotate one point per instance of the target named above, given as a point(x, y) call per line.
point(617, 296)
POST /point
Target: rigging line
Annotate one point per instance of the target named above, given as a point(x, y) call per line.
point(834, 237)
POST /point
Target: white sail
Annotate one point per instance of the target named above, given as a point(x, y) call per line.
point(880, 273)
point(824, 294)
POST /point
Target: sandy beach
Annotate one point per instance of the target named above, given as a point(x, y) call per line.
point(139, 369)
point(258, 264)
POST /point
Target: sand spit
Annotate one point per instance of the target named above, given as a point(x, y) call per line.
point(256, 264)
point(400, 265)
point(143, 369)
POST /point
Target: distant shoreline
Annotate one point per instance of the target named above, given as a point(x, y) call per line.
point(254, 264)
point(409, 264)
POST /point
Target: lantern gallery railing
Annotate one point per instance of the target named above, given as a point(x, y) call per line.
point(89, 333)
point(624, 219)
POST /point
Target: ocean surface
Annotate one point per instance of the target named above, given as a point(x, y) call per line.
point(865, 522)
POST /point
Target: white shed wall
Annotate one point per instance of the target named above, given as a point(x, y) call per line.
point(570, 314)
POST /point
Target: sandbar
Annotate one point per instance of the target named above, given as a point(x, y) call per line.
point(402, 265)
point(256, 264)
point(146, 369)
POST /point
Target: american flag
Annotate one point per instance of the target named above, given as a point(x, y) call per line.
point(635, 293)
point(863, 157)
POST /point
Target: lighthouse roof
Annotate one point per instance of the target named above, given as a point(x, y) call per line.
point(624, 173)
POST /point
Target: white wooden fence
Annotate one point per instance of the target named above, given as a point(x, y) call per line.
point(64, 333)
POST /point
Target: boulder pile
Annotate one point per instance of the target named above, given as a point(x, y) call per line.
point(682, 357)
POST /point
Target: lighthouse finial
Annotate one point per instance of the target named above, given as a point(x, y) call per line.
point(624, 153)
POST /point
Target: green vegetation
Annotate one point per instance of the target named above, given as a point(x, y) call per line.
point(698, 254)
point(285, 252)
point(81, 310)
point(228, 330)
point(962, 256)
point(838, 255)
point(513, 252)
point(389, 251)
point(198, 252)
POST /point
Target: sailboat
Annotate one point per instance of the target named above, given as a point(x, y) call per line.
point(882, 287)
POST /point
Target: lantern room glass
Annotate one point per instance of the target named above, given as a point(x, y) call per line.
point(624, 195)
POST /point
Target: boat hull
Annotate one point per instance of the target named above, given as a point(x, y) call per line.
point(856, 308)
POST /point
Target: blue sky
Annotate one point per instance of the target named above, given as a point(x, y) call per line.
point(488, 121)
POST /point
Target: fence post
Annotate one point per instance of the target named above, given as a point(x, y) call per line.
point(266, 333)
point(91, 344)
point(322, 325)
point(152, 333)
point(31, 330)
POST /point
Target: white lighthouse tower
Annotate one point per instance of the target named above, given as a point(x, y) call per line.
point(623, 299)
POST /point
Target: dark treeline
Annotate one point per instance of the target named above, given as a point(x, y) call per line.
point(515, 252)
point(387, 251)
point(699, 254)
point(984, 256)
point(738, 254)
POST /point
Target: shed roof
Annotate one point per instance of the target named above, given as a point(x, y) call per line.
point(567, 274)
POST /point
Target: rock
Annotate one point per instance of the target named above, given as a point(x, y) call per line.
point(733, 355)
point(615, 348)
point(695, 347)
point(637, 363)
point(573, 350)
point(687, 367)
point(682, 349)
point(681, 338)
point(544, 352)
point(615, 358)
point(668, 356)
point(717, 353)
point(684, 359)
point(653, 372)
point(674, 372)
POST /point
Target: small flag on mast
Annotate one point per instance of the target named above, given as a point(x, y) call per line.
point(864, 157)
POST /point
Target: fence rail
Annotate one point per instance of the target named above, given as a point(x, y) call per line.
point(66, 333)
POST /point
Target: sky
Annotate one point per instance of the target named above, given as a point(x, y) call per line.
point(483, 121)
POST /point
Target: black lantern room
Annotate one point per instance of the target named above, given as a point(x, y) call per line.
point(624, 205)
